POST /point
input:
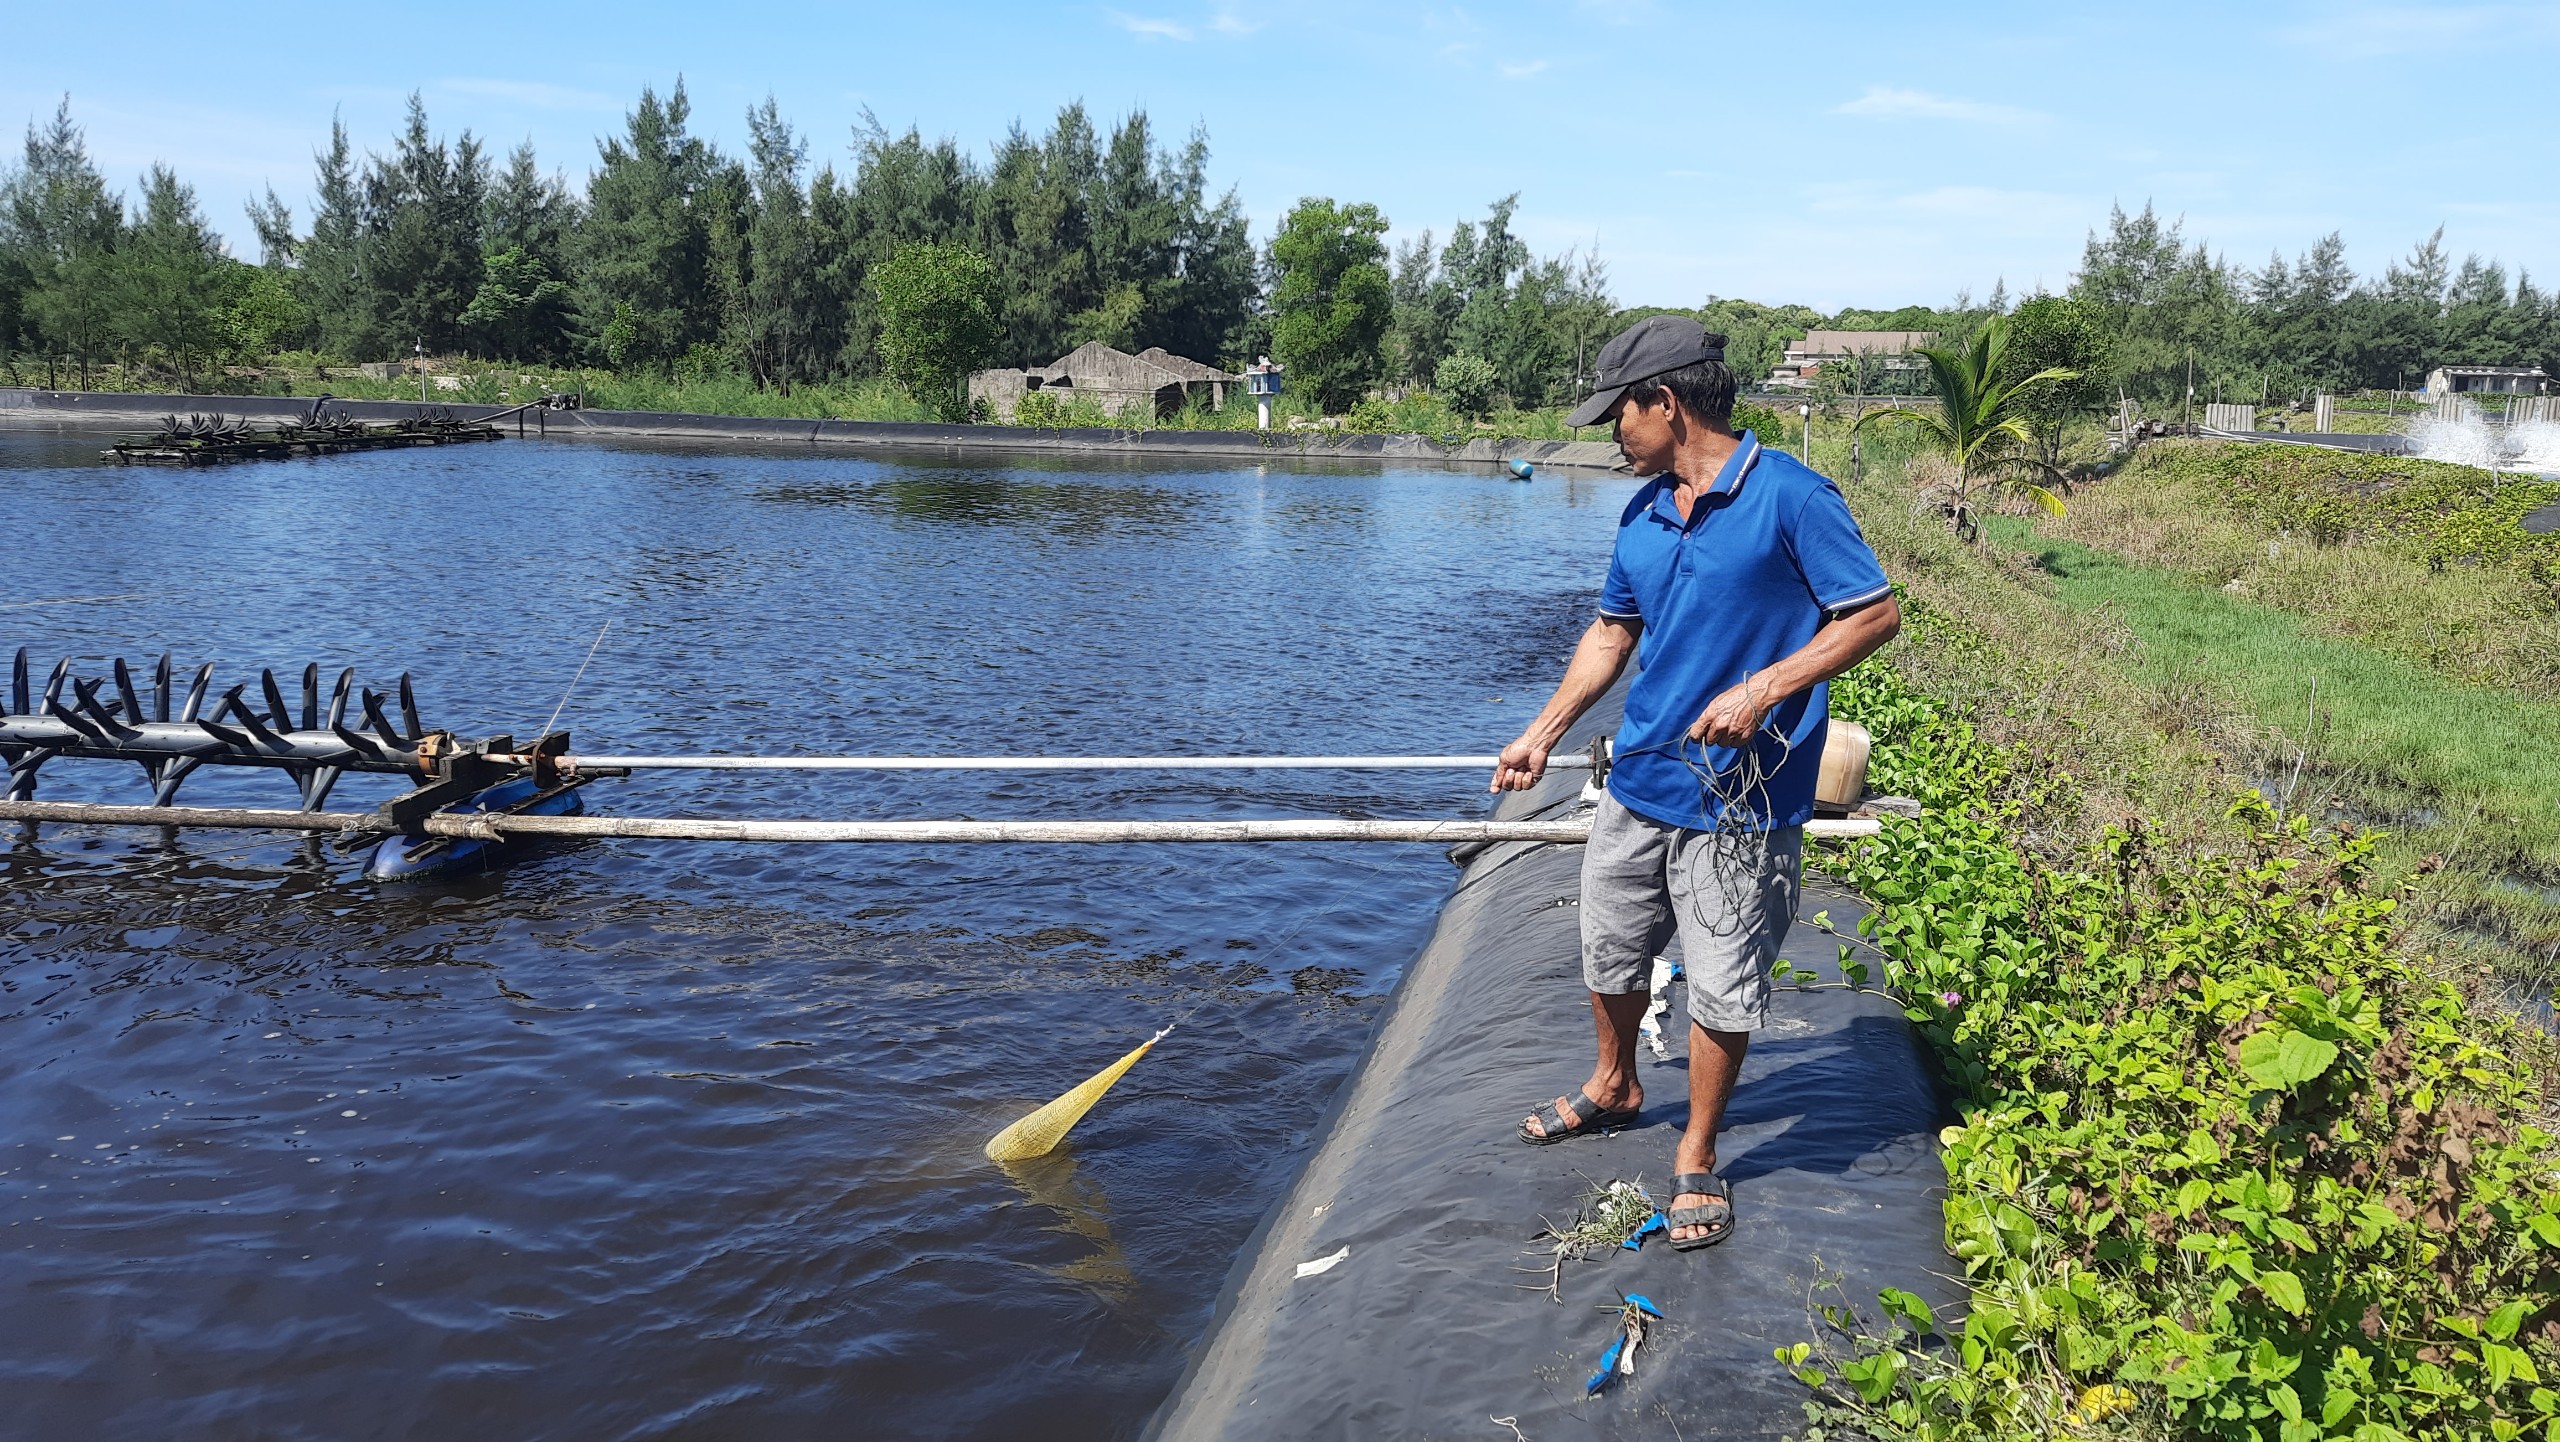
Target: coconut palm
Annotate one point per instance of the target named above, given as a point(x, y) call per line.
point(1980, 424)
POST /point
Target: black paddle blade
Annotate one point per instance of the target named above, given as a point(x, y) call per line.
point(124, 693)
point(276, 711)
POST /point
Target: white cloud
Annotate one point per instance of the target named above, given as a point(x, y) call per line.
point(535, 93)
point(1231, 22)
point(1521, 70)
point(1148, 27)
point(1887, 102)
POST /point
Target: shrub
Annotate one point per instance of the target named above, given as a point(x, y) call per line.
point(1765, 421)
point(1370, 417)
point(938, 322)
point(2229, 1165)
point(1038, 408)
point(1058, 410)
point(1467, 383)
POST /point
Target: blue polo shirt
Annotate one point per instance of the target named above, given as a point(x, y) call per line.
point(1764, 556)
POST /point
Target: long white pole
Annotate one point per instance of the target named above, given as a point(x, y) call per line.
point(480, 827)
point(1054, 763)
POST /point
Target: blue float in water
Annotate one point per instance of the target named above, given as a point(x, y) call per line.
point(1520, 469)
point(402, 858)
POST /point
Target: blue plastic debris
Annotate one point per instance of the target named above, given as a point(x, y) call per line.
point(1635, 1243)
point(1520, 469)
point(1632, 1309)
point(1608, 1367)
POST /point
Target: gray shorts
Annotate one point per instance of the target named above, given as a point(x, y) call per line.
point(1729, 896)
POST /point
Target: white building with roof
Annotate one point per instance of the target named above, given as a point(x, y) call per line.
point(2450, 380)
point(1882, 351)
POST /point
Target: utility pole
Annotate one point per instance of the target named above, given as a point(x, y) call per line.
point(2188, 417)
point(1804, 453)
point(419, 347)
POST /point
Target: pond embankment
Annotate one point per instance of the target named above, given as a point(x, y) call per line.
point(1439, 1317)
point(22, 405)
point(2372, 636)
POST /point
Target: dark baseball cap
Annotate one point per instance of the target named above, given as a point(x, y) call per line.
point(1656, 345)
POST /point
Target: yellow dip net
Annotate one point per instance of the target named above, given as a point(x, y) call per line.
point(1037, 1134)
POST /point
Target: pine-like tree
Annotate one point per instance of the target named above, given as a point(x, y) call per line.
point(173, 286)
point(65, 226)
point(644, 248)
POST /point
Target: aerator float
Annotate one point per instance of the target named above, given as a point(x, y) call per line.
point(201, 440)
point(71, 718)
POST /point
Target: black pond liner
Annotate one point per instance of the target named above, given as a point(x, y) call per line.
point(1428, 1330)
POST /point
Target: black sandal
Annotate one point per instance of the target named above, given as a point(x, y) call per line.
point(1716, 1216)
point(1589, 1117)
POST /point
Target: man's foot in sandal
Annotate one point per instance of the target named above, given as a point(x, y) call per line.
point(1578, 1116)
point(1701, 1211)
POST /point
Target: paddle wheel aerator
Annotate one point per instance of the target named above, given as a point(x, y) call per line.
point(171, 738)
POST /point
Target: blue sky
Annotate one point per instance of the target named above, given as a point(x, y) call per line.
point(1791, 152)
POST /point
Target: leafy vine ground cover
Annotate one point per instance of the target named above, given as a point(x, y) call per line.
point(2230, 1164)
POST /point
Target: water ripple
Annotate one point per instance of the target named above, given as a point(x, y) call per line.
point(661, 1140)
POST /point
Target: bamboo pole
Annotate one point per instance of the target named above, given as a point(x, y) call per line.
point(489, 827)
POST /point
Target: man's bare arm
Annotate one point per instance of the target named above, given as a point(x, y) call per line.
point(1843, 642)
point(1597, 659)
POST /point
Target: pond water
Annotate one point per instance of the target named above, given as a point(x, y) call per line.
point(680, 1140)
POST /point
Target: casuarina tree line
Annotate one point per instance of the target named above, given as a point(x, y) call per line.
point(677, 258)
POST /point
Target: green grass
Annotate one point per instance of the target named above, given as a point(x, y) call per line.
point(2466, 774)
point(2415, 558)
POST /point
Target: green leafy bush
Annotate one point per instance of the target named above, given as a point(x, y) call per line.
point(938, 322)
point(2229, 1165)
point(1057, 410)
point(1370, 417)
point(1038, 409)
point(1761, 420)
point(1467, 383)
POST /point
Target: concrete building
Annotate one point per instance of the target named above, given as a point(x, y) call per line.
point(2487, 380)
point(1140, 387)
point(1884, 351)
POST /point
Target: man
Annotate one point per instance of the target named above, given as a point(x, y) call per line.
point(1742, 585)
